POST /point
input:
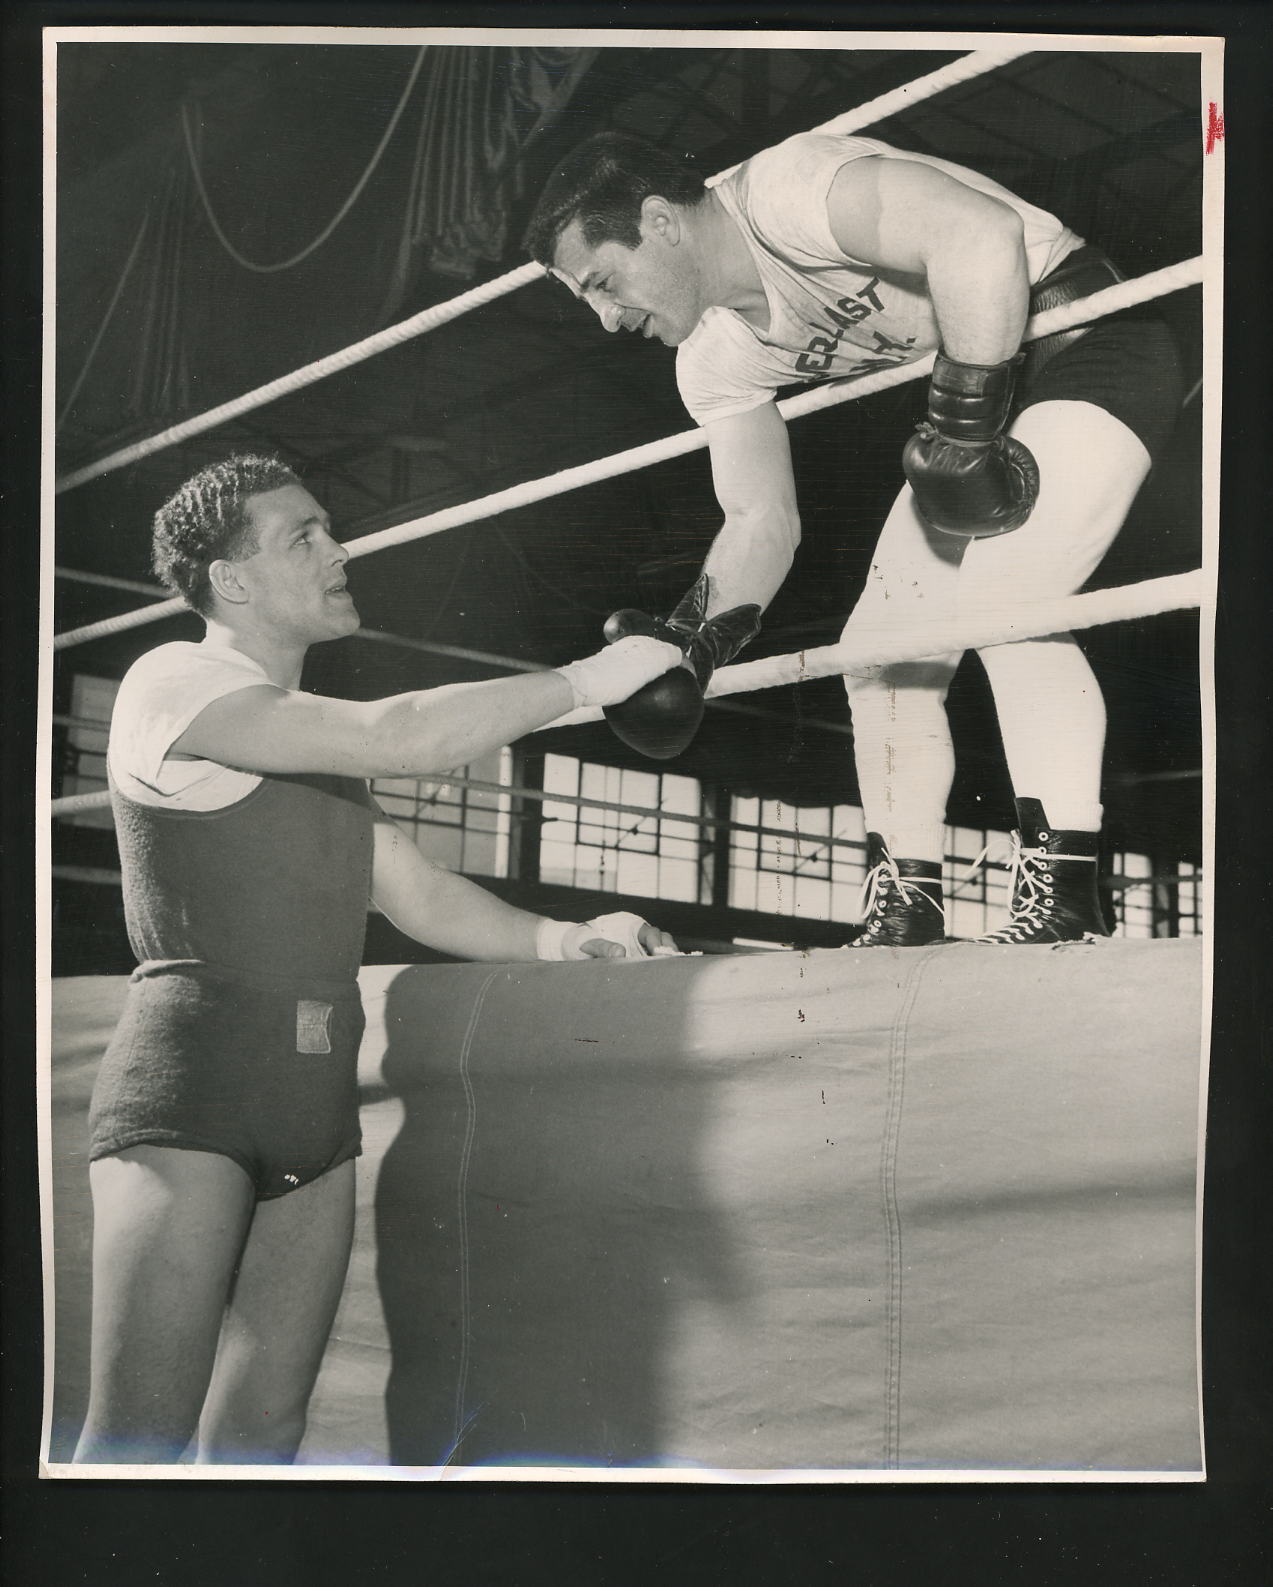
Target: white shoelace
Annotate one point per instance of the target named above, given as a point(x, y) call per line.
point(1030, 881)
point(909, 888)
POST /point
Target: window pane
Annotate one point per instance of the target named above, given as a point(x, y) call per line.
point(681, 794)
point(639, 788)
point(679, 879)
point(603, 846)
point(592, 782)
point(561, 774)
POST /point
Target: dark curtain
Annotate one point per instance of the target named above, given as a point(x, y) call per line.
point(291, 204)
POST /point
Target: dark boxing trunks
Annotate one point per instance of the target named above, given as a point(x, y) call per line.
point(264, 1074)
point(1126, 363)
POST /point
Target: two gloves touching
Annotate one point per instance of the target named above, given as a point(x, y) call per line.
point(651, 677)
point(968, 477)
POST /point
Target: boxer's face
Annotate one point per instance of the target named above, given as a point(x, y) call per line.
point(653, 289)
point(295, 579)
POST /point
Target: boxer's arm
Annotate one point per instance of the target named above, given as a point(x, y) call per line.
point(456, 916)
point(968, 478)
point(263, 728)
point(755, 486)
point(903, 216)
point(440, 909)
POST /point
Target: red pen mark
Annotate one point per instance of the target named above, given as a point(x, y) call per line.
point(1215, 127)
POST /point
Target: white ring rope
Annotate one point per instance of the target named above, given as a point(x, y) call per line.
point(874, 646)
point(881, 646)
point(1082, 311)
point(76, 804)
point(381, 341)
point(910, 94)
point(948, 76)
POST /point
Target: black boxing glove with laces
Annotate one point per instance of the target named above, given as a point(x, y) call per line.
point(660, 720)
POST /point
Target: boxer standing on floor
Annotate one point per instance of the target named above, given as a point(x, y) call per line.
point(225, 1116)
point(832, 255)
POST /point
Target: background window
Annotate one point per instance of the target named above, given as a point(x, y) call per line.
point(613, 830)
point(462, 824)
point(808, 862)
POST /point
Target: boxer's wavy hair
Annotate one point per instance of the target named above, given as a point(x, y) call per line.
point(207, 519)
point(602, 184)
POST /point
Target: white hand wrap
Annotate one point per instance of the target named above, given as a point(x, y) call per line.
point(563, 939)
point(623, 928)
point(620, 669)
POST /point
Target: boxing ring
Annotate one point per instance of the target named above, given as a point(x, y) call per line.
point(909, 1211)
point(917, 1210)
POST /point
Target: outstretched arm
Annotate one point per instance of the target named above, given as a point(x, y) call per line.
point(969, 247)
point(263, 728)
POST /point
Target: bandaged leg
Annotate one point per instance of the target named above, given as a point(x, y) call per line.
point(1051, 712)
point(904, 755)
point(1052, 722)
point(905, 762)
point(901, 738)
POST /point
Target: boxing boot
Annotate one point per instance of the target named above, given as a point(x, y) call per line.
point(903, 905)
point(661, 719)
point(1054, 891)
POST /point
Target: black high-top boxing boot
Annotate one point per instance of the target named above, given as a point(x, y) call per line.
point(903, 905)
point(1054, 893)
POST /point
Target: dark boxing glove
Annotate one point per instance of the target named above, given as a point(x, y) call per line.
point(968, 477)
point(661, 719)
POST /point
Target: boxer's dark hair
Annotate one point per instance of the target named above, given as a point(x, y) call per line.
point(602, 184)
point(207, 519)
